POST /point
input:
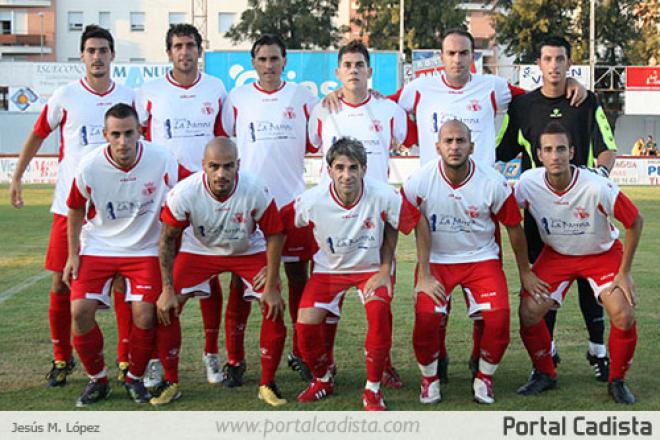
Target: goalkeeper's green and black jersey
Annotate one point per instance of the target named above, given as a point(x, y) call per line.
point(529, 114)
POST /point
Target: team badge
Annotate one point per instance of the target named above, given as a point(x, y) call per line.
point(581, 213)
point(472, 211)
point(376, 126)
point(149, 188)
point(207, 108)
point(289, 113)
point(368, 224)
point(474, 105)
point(239, 218)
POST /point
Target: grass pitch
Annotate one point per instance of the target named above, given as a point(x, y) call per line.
point(25, 349)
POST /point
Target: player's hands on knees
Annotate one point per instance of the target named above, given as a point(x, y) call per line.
point(576, 93)
point(625, 283)
point(259, 280)
point(71, 268)
point(537, 288)
point(378, 280)
point(167, 302)
point(271, 304)
point(428, 285)
point(332, 100)
point(16, 194)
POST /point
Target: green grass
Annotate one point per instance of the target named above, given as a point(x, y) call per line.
point(25, 349)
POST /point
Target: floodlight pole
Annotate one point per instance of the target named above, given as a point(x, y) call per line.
point(592, 44)
point(401, 29)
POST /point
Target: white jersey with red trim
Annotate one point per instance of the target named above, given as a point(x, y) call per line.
point(350, 237)
point(182, 118)
point(435, 102)
point(462, 217)
point(271, 134)
point(79, 112)
point(378, 123)
point(123, 206)
point(226, 226)
point(575, 221)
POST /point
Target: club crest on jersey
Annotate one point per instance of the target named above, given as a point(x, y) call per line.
point(289, 113)
point(472, 211)
point(207, 108)
point(581, 213)
point(368, 224)
point(376, 126)
point(239, 218)
point(556, 113)
point(149, 188)
point(473, 105)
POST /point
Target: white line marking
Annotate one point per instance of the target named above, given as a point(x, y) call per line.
point(4, 296)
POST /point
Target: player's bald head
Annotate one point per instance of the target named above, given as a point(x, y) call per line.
point(220, 146)
point(455, 124)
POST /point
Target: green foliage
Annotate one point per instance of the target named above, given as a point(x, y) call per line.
point(302, 24)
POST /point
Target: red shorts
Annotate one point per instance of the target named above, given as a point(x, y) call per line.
point(142, 275)
point(58, 247)
point(483, 282)
point(326, 290)
point(299, 245)
point(192, 272)
point(560, 270)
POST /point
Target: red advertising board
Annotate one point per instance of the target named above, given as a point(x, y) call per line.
point(643, 78)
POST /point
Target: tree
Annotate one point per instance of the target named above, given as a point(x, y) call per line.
point(425, 22)
point(302, 24)
point(522, 27)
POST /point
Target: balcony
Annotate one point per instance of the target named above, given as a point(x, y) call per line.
point(29, 44)
point(26, 3)
point(20, 40)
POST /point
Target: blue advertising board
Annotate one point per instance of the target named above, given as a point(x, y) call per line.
point(315, 70)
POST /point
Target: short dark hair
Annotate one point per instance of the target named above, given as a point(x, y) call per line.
point(182, 30)
point(95, 31)
point(121, 111)
point(268, 40)
point(555, 41)
point(355, 46)
point(457, 31)
point(349, 147)
point(554, 127)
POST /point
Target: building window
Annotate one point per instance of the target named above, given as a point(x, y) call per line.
point(137, 21)
point(136, 60)
point(177, 17)
point(225, 21)
point(75, 21)
point(104, 20)
point(5, 22)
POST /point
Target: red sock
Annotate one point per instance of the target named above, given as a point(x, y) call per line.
point(329, 333)
point(59, 315)
point(622, 348)
point(295, 293)
point(169, 346)
point(271, 344)
point(124, 318)
point(494, 340)
point(236, 317)
point(141, 344)
point(314, 354)
point(537, 342)
point(211, 308)
point(477, 333)
point(378, 342)
point(90, 350)
point(427, 331)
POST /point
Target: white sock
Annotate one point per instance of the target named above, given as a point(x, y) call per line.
point(372, 386)
point(430, 369)
point(326, 377)
point(598, 350)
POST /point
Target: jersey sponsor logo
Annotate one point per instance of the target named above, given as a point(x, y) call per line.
point(117, 210)
point(438, 120)
point(347, 244)
point(289, 113)
point(207, 108)
point(91, 134)
point(149, 188)
point(581, 213)
point(213, 232)
point(556, 113)
point(269, 131)
point(450, 223)
point(183, 127)
point(557, 226)
point(473, 105)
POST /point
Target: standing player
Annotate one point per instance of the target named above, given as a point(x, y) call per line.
point(572, 209)
point(379, 124)
point(461, 200)
point(220, 211)
point(119, 190)
point(182, 111)
point(594, 148)
point(355, 222)
point(269, 119)
point(78, 110)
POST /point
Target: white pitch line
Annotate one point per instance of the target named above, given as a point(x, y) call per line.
point(4, 296)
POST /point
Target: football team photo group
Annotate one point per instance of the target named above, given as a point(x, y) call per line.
point(162, 189)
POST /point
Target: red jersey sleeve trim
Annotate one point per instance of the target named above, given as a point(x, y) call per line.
point(408, 216)
point(516, 91)
point(625, 210)
point(509, 213)
point(218, 129)
point(147, 128)
point(41, 127)
point(184, 172)
point(76, 199)
point(270, 222)
point(396, 96)
point(167, 217)
point(288, 217)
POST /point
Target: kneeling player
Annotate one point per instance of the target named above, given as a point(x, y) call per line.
point(461, 201)
point(119, 189)
point(220, 214)
point(355, 224)
point(572, 209)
